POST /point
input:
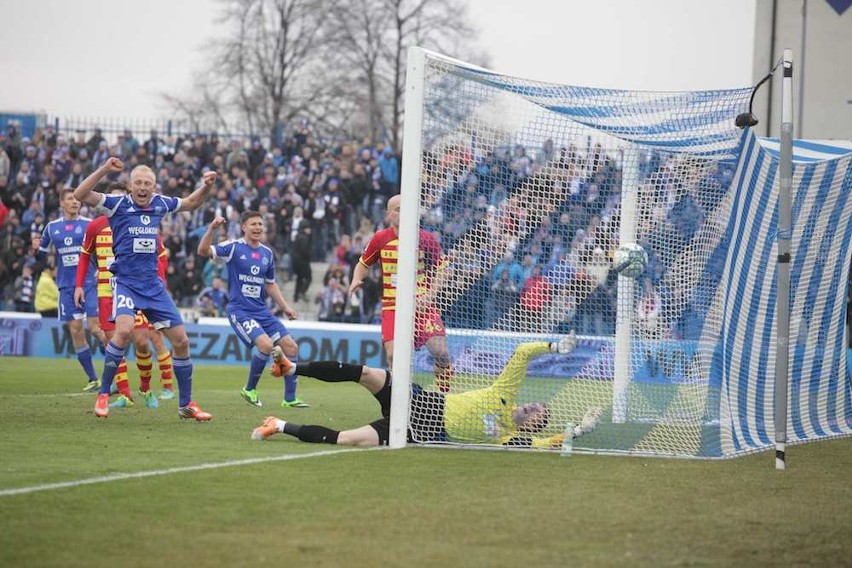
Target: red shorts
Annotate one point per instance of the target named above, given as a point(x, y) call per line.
point(426, 326)
point(105, 312)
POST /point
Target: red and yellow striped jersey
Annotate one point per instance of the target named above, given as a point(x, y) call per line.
point(383, 247)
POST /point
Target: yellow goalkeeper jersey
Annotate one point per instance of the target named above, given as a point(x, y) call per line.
point(484, 416)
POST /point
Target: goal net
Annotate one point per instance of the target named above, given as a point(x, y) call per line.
point(529, 188)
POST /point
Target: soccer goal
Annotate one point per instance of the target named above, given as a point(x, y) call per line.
point(531, 188)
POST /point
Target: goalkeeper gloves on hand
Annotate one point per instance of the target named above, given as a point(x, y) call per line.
point(564, 345)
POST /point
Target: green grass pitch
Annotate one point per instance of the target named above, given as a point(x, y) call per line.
point(412, 507)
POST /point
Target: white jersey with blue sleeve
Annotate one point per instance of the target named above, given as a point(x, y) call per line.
point(134, 234)
point(249, 270)
point(66, 236)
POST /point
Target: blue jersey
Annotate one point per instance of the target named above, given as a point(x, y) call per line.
point(134, 234)
point(249, 270)
point(67, 237)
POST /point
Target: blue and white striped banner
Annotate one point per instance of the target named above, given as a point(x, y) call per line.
point(744, 342)
point(698, 122)
point(810, 150)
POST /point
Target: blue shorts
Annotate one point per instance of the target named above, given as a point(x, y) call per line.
point(249, 325)
point(149, 297)
point(68, 310)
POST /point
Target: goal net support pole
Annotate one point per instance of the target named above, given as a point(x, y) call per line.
point(626, 286)
point(785, 174)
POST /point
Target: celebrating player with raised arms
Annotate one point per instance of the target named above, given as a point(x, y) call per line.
point(251, 277)
point(98, 244)
point(135, 222)
point(66, 236)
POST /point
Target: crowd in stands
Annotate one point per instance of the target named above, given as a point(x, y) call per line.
point(320, 203)
point(532, 234)
point(543, 260)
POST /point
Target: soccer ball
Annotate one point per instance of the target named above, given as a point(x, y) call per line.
point(630, 260)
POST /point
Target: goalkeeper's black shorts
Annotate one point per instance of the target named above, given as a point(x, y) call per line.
point(426, 421)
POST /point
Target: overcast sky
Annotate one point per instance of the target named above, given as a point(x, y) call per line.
point(111, 58)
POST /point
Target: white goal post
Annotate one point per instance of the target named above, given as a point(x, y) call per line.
point(409, 224)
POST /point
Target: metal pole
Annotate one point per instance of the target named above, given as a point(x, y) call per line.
point(623, 371)
point(801, 73)
point(409, 229)
point(785, 174)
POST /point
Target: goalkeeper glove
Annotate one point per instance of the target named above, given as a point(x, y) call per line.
point(552, 443)
point(564, 345)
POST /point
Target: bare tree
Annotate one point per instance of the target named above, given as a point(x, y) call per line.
point(204, 110)
point(359, 38)
point(266, 68)
point(440, 25)
point(371, 37)
point(339, 63)
point(271, 56)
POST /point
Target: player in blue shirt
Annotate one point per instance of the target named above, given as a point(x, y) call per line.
point(135, 223)
point(251, 277)
point(66, 236)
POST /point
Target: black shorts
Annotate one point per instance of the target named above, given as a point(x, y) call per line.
point(382, 428)
point(382, 425)
point(426, 420)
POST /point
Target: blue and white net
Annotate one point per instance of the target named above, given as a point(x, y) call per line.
point(523, 182)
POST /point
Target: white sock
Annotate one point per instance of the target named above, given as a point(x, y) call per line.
point(279, 425)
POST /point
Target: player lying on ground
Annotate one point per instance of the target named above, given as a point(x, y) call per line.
point(483, 416)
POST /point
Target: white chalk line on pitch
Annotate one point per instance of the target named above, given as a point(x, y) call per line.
point(169, 471)
point(49, 394)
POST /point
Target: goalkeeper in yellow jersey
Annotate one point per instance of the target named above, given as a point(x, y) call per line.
point(483, 416)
